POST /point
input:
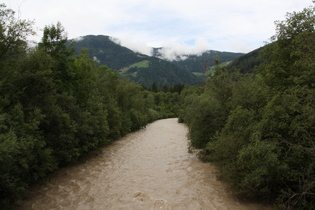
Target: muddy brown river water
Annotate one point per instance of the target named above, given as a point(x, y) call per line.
point(148, 169)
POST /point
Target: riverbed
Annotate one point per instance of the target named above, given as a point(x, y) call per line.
point(148, 169)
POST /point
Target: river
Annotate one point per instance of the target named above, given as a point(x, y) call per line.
point(147, 169)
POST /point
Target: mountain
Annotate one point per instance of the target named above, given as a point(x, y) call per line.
point(107, 52)
point(246, 63)
point(200, 63)
point(143, 69)
point(147, 70)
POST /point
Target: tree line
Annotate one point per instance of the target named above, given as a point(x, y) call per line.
point(56, 107)
point(259, 127)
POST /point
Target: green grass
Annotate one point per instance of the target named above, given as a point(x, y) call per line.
point(141, 64)
point(198, 73)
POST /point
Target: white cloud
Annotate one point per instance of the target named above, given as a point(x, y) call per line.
point(175, 51)
point(77, 39)
point(133, 44)
point(96, 59)
point(226, 25)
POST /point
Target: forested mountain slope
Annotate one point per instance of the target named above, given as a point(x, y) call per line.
point(147, 70)
point(107, 52)
point(202, 63)
point(246, 63)
point(143, 69)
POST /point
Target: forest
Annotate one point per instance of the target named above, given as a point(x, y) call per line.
point(140, 68)
point(55, 107)
point(256, 125)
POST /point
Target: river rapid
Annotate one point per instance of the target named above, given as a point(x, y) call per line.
point(147, 169)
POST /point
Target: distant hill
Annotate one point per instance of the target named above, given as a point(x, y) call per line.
point(147, 70)
point(246, 63)
point(107, 52)
point(203, 62)
point(140, 68)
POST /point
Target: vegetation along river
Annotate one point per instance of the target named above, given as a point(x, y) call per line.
point(148, 169)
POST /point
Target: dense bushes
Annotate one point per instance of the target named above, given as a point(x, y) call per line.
point(259, 128)
point(56, 107)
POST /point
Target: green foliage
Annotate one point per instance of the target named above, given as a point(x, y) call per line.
point(143, 69)
point(289, 121)
point(246, 63)
point(205, 120)
point(54, 44)
point(56, 107)
point(162, 73)
point(259, 128)
point(291, 56)
point(108, 52)
point(261, 169)
point(202, 63)
point(141, 64)
point(13, 33)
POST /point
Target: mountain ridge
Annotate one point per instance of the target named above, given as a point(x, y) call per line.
point(147, 70)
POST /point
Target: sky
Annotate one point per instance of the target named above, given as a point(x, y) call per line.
point(181, 26)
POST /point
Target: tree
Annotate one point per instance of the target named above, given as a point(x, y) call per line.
point(54, 43)
point(290, 56)
point(13, 33)
point(13, 45)
point(154, 87)
point(259, 129)
point(26, 89)
point(287, 119)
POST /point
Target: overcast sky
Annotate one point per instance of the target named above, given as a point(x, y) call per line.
point(187, 26)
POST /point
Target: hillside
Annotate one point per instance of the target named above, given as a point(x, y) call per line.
point(147, 70)
point(143, 69)
point(203, 62)
point(246, 63)
point(107, 52)
point(160, 72)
